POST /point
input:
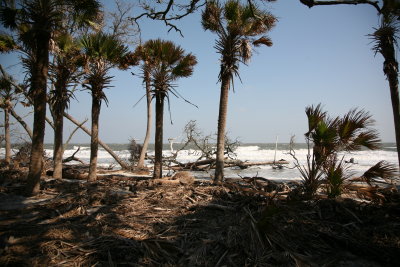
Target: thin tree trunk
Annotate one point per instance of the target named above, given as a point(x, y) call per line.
point(22, 122)
point(38, 89)
point(390, 68)
point(104, 145)
point(58, 145)
point(223, 112)
point(158, 137)
point(94, 140)
point(149, 115)
point(7, 135)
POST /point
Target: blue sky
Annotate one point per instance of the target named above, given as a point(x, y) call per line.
point(320, 55)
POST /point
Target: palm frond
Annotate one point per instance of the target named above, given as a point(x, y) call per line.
point(314, 116)
point(354, 131)
point(368, 139)
point(7, 43)
point(85, 13)
point(245, 50)
point(264, 40)
point(382, 170)
point(185, 67)
point(384, 36)
point(211, 16)
point(9, 17)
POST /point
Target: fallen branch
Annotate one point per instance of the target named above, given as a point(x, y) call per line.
point(105, 146)
point(73, 158)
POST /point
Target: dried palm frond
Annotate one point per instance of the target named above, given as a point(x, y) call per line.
point(263, 40)
point(382, 169)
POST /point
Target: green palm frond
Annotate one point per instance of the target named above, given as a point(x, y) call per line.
point(314, 116)
point(185, 67)
point(233, 12)
point(354, 131)
point(7, 43)
point(237, 26)
point(101, 46)
point(368, 139)
point(336, 173)
point(85, 13)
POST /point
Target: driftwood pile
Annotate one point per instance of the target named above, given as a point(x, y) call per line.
point(125, 221)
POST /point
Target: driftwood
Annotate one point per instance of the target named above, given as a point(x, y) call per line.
point(73, 158)
point(210, 164)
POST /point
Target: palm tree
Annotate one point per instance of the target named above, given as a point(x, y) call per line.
point(35, 21)
point(144, 53)
point(238, 27)
point(7, 96)
point(385, 38)
point(102, 52)
point(169, 64)
point(63, 72)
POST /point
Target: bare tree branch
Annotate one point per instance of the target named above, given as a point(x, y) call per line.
point(167, 14)
point(311, 3)
point(22, 122)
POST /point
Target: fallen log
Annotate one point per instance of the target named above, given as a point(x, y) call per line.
point(105, 146)
point(209, 164)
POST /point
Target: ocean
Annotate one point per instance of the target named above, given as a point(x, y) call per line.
point(251, 152)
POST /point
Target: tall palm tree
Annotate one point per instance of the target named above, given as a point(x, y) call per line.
point(169, 64)
point(144, 53)
point(63, 72)
point(102, 52)
point(238, 27)
point(35, 21)
point(385, 38)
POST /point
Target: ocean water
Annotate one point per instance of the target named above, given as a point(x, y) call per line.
point(256, 152)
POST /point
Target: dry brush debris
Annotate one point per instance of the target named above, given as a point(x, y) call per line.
point(126, 221)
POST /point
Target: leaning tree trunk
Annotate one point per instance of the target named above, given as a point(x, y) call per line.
point(94, 140)
point(390, 68)
point(58, 144)
point(149, 115)
point(104, 145)
point(38, 92)
point(158, 137)
point(22, 122)
point(223, 112)
point(7, 135)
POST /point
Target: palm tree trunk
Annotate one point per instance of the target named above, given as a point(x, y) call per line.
point(390, 68)
point(7, 135)
point(94, 140)
point(38, 89)
point(58, 144)
point(158, 137)
point(149, 115)
point(223, 112)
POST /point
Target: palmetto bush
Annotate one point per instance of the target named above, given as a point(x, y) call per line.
point(325, 138)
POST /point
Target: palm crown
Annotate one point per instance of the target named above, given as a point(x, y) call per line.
point(238, 28)
point(101, 52)
point(169, 63)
